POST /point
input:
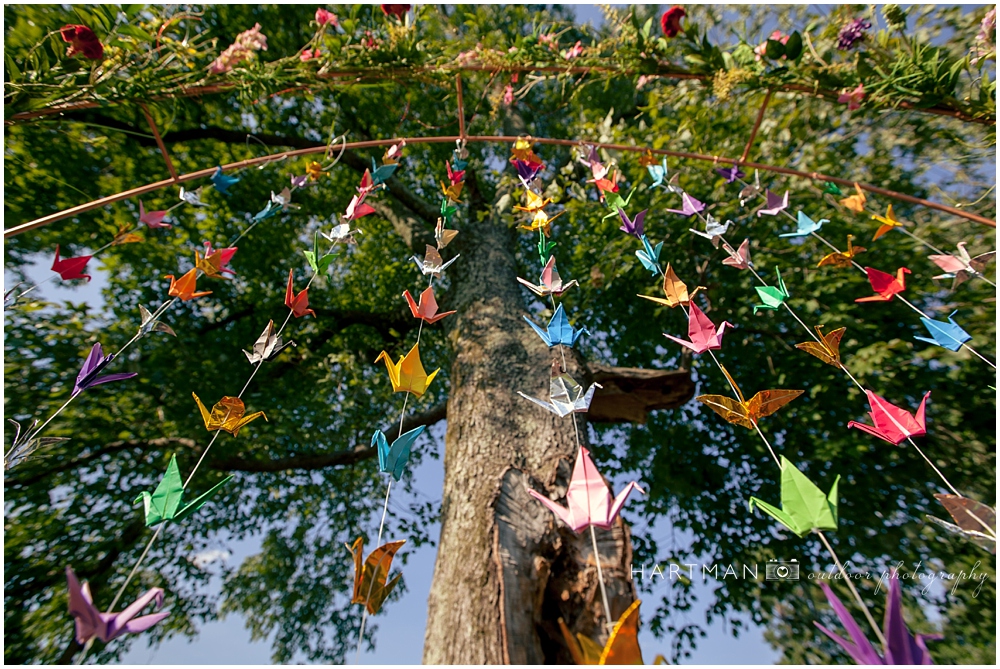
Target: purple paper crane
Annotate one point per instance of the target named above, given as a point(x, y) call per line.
point(730, 173)
point(702, 332)
point(775, 205)
point(689, 206)
point(634, 226)
point(902, 647)
point(94, 364)
point(589, 501)
point(92, 623)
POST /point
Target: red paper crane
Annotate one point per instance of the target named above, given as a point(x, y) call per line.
point(885, 284)
point(70, 268)
point(428, 308)
point(299, 304)
point(892, 423)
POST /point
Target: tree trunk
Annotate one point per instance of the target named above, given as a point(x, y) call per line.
point(506, 569)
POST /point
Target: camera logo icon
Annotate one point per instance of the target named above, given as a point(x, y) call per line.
point(781, 570)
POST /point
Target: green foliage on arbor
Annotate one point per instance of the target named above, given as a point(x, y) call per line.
point(71, 505)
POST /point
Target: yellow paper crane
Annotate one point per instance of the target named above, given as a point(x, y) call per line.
point(889, 221)
point(227, 415)
point(408, 375)
point(541, 221)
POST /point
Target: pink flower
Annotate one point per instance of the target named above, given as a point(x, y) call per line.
point(548, 40)
point(575, 52)
point(243, 49)
point(777, 36)
point(853, 98)
point(324, 17)
point(644, 79)
point(508, 95)
point(308, 55)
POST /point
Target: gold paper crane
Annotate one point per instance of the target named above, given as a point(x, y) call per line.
point(227, 415)
point(408, 375)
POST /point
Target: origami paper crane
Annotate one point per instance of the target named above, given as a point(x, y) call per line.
point(659, 173)
point(453, 192)
point(902, 647)
point(393, 459)
point(893, 424)
point(751, 190)
point(227, 414)
point(394, 153)
point(888, 222)
point(771, 296)
point(268, 346)
point(544, 247)
point(215, 261)
point(185, 286)
point(341, 233)
point(961, 267)
point(70, 268)
point(193, 197)
point(804, 507)
point(432, 262)
point(382, 174)
point(948, 335)
point(535, 202)
point(319, 262)
point(828, 348)
point(855, 203)
point(622, 646)
point(701, 332)
point(299, 182)
point(594, 162)
point(95, 363)
point(974, 521)
point(689, 206)
point(314, 170)
point(832, 189)
point(165, 502)
point(615, 202)
point(427, 310)
point(588, 499)
point(774, 205)
point(605, 185)
point(647, 158)
point(885, 285)
point(299, 304)
point(675, 290)
point(149, 325)
point(525, 170)
point(407, 375)
point(742, 412)
point(632, 226)
point(447, 210)
point(551, 282)
point(370, 587)
point(740, 258)
point(541, 221)
point(92, 623)
point(713, 230)
point(152, 219)
point(731, 174)
point(270, 210)
point(22, 446)
point(806, 226)
point(522, 151)
point(559, 330)
point(125, 236)
point(284, 199)
point(357, 209)
point(842, 258)
point(566, 395)
point(223, 182)
point(649, 256)
point(454, 176)
point(442, 235)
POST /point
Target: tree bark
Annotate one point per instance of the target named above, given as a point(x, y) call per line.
point(506, 570)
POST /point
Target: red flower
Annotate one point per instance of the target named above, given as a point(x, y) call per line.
point(671, 20)
point(324, 17)
point(399, 11)
point(82, 39)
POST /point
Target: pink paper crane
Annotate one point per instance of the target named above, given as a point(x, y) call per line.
point(893, 424)
point(152, 219)
point(740, 258)
point(225, 255)
point(70, 268)
point(427, 310)
point(551, 282)
point(702, 332)
point(885, 285)
point(589, 501)
point(92, 623)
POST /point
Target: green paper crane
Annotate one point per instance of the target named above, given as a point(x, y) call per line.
point(615, 202)
point(317, 261)
point(832, 189)
point(544, 247)
point(165, 501)
point(804, 507)
point(772, 297)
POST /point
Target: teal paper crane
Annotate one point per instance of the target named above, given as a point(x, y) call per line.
point(393, 459)
point(949, 335)
point(772, 296)
point(649, 256)
point(804, 507)
point(559, 330)
point(164, 503)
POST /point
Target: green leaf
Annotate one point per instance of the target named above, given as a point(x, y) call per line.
point(13, 73)
point(647, 27)
point(793, 47)
point(774, 49)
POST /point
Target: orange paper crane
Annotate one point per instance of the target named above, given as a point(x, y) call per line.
point(70, 268)
point(855, 203)
point(675, 290)
point(885, 285)
point(371, 576)
point(888, 222)
point(747, 413)
point(185, 286)
point(408, 375)
point(227, 415)
point(622, 646)
point(828, 348)
point(299, 304)
point(427, 310)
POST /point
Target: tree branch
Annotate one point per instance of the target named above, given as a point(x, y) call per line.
point(314, 461)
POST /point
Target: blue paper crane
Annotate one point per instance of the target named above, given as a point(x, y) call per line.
point(650, 255)
point(393, 458)
point(559, 330)
point(805, 226)
point(948, 335)
point(222, 182)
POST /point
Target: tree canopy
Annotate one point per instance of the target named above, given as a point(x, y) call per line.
point(305, 479)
